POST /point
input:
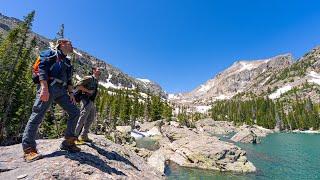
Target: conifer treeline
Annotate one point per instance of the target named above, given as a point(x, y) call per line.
point(16, 88)
point(124, 107)
point(296, 114)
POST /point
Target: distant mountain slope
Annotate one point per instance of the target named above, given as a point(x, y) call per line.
point(301, 79)
point(236, 79)
point(276, 78)
point(111, 77)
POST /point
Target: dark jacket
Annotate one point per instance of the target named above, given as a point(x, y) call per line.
point(54, 64)
point(90, 83)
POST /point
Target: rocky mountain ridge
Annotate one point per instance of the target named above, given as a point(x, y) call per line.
point(270, 78)
point(235, 79)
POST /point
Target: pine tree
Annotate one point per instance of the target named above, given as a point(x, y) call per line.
point(167, 111)
point(147, 109)
point(156, 108)
point(183, 117)
point(125, 109)
point(115, 109)
point(16, 55)
point(60, 33)
point(135, 108)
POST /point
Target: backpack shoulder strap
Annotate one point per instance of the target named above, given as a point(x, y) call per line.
point(48, 54)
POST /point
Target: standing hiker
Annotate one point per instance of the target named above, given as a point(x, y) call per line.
point(53, 74)
point(87, 90)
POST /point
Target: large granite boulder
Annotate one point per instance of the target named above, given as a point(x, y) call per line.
point(260, 131)
point(146, 126)
point(124, 129)
point(250, 134)
point(190, 148)
point(246, 136)
point(215, 127)
point(121, 137)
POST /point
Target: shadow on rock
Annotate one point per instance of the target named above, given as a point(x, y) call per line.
point(112, 155)
point(87, 158)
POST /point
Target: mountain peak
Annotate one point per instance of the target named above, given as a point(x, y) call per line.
point(235, 79)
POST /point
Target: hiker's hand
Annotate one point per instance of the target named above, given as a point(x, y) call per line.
point(44, 94)
point(72, 98)
point(91, 92)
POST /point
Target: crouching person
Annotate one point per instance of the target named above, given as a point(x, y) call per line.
point(87, 92)
point(53, 74)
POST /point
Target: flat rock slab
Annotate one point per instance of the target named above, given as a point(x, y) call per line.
point(102, 160)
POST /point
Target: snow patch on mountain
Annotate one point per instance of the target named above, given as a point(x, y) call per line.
point(144, 80)
point(223, 97)
point(202, 109)
point(246, 66)
point(264, 81)
point(174, 96)
point(205, 88)
point(280, 91)
point(314, 77)
point(109, 85)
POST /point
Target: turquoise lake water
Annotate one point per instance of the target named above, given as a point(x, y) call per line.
point(279, 156)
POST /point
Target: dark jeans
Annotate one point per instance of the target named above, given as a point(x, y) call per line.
point(59, 95)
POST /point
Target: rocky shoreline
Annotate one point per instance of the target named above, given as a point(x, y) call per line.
point(198, 147)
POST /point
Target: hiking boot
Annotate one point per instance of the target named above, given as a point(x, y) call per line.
point(31, 154)
point(79, 142)
point(85, 139)
point(68, 144)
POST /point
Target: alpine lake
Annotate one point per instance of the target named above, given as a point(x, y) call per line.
point(278, 156)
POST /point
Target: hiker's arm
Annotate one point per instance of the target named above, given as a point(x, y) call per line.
point(44, 84)
point(85, 90)
point(69, 74)
point(43, 69)
point(72, 98)
point(44, 92)
point(43, 77)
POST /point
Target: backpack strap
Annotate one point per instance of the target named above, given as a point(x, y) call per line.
point(56, 80)
point(55, 57)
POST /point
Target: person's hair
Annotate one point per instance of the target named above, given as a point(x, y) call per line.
point(59, 41)
point(93, 68)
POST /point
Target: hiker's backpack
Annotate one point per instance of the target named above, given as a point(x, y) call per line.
point(35, 71)
point(78, 95)
point(35, 67)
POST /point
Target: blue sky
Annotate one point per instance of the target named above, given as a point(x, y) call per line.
point(178, 44)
